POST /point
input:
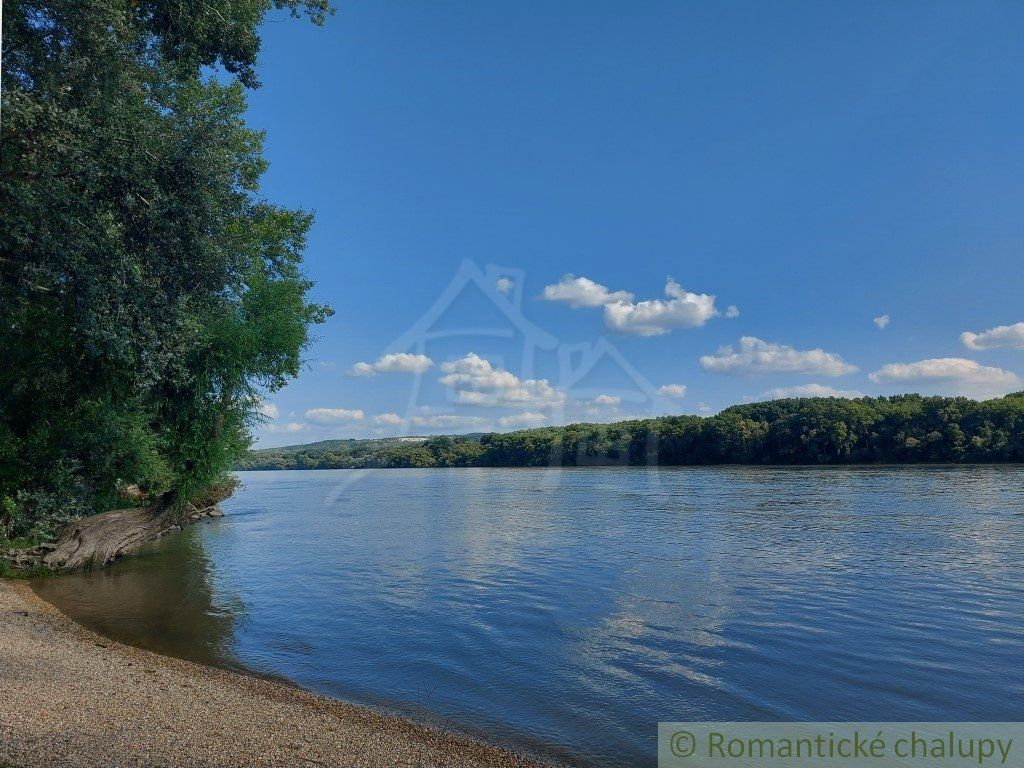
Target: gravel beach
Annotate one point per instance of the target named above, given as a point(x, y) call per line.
point(71, 698)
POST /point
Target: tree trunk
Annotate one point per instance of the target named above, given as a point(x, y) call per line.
point(94, 542)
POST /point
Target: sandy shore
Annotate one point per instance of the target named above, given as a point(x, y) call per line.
point(69, 698)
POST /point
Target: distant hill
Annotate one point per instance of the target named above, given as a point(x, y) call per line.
point(824, 430)
point(341, 444)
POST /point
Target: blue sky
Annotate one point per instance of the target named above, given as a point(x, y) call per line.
point(812, 165)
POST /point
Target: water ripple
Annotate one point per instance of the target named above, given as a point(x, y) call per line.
point(569, 611)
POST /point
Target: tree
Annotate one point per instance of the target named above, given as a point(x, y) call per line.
point(148, 294)
point(907, 428)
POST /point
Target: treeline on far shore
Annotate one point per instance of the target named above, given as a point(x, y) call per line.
point(900, 429)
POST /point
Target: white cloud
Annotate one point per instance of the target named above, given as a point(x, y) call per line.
point(606, 400)
point(477, 382)
point(950, 374)
point(532, 392)
point(754, 356)
point(1011, 336)
point(672, 390)
point(881, 321)
point(732, 311)
point(396, 362)
point(651, 317)
point(522, 419)
point(583, 292)
point(362, 369)
point(810, 390)
point(446, 421)
point(329, 416)
point(292, 426)
point(403, 362)
point(474, 372)
point(654, 317)
point(505, 285)
point(391, 419)
point(270, 412)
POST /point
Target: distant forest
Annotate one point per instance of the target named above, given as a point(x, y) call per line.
point(901, 429)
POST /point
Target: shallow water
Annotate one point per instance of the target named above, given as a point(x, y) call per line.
point(568, 611)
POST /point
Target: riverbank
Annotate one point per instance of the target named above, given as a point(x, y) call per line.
point(75, 699)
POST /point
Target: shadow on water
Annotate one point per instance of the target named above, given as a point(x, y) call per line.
point(162, 599)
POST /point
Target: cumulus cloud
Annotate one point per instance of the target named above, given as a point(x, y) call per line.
point(583, 292)
point(505, 285)
point(388, 419)
point(474, 372)
point(653, 317)
point(606, 400)
point(446, 421)
point(881, 321)
point(950, 374)
point(672, 390)
point(330, 416)
point(810, 390)
point(522, 419)
point(477, 382)
point(650, 317)
point(732, 311)
point(396, 362)
point(292, 426)
point(1011, 336)
point(269, 410)
point(754, 356)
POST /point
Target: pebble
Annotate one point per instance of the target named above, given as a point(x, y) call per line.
point(73, 700)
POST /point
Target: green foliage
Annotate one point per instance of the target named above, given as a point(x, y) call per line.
point(11, 518)
point(391, 452)
point(903, 429)
point(148, 295)
point(33, 572)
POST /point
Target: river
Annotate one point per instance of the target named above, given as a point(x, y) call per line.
point(566, 612)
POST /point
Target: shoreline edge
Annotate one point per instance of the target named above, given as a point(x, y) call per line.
point(79, 699)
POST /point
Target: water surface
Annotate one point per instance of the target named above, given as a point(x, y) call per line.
point(568, 611)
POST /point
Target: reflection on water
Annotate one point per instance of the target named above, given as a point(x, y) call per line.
point(162, 599)
point(570, 611)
